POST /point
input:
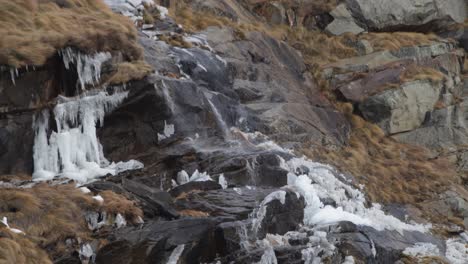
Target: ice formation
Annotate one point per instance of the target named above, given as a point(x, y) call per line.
point(316, 181)
point(457, 250)
point(73, 150)
point(168, 131)
point(259, 213)
point(88, 67)
point(222, 181)
point(4, 221)
point(183, 177)
point(175, 255)
point(422, 250)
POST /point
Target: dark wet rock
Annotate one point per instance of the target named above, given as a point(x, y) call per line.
point(235, 204)
point(195, 186)
point(156, 202)
point(155, 241)
point(371, 246)
point(16, 140)
point(281, 218)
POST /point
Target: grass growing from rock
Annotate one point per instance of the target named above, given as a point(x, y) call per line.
point(33, 30)
point(51, 214)
point(391, 171)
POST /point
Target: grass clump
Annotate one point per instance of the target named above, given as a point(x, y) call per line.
point(127, 71)
point(49, 215)
point(33, 30)
point(391, 171)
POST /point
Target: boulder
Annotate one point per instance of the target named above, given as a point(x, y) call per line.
point(154, 242)
point(423, 15)
point(343, 22)
point(402, 109)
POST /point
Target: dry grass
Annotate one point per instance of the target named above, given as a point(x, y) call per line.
point(127, 71)
point(423, 260)
point(33, 30)
point(18, 249)
point(176, 40)
point(118, 204)
point(415, 72)
point(193, 213)
point(396, 40)
point(391, 171)
point(51, 214)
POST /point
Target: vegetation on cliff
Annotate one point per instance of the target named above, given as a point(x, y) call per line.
point(33, 30)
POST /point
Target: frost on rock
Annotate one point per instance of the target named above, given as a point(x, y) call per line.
point(422, 250)
point(120, 221)
point(457, 251)
point(169, 130)
point(222, 181)
point(73, 151)
point(88, 67)
point(268, 257)
point(175, 255)
point(86, 252)
point(183, 177)
point(259, 213)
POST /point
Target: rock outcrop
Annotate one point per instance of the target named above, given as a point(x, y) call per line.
point(210, 142)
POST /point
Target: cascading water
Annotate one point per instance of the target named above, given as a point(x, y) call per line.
point(74, 151)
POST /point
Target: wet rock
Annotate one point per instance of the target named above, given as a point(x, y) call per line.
point(281, 218)
point(403, 15)
point(194, 186)
point(156, 202)
point(155, 241)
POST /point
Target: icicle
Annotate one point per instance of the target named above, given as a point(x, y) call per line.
point(175, 255)
point(74, 151)
point(258, 214)
point(222, 181)
point(12, 74)
point(88, 67)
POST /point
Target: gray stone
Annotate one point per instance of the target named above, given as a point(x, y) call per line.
point(343, 22)
point(402, 109)
point(383, 15)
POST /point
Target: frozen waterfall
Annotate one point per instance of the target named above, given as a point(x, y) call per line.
point(73, 151)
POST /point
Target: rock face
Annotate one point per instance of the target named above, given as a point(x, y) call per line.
point(384, 15)
point(215, 122)
point(404, 109)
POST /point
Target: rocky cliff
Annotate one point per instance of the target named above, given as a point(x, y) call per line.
point(233, 131)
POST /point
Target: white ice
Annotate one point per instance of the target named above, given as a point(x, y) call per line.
point(175, 255)
point(73, 150)
point(88, 67)
point(222, 181)
point(422, 250)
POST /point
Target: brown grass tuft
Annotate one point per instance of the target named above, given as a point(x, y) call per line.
point(396, 40)
point(32, 30)
point(193, 213)
point(51, 214)
point(127, 71)
point(16, 248)
point(391, 171)
point(118, 204)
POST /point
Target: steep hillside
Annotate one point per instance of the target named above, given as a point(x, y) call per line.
point(233, 131)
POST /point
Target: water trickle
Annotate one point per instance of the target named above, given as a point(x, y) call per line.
point(219, 120)
point(175, 255)
point(73, 150)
